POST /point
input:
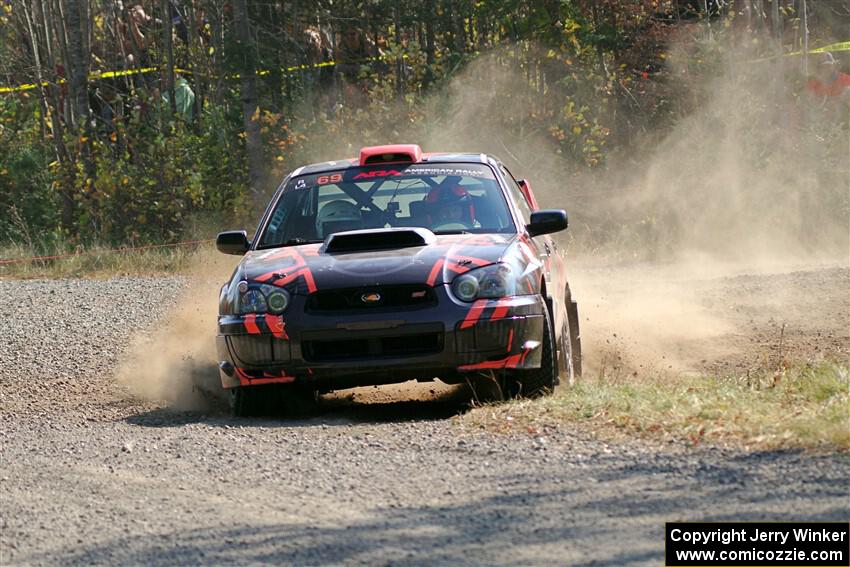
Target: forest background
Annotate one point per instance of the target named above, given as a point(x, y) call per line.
point(131, 124)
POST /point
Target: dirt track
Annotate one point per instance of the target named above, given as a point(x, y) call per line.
point(90, 474)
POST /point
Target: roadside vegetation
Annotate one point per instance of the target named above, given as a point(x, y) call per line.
point(804, 406)
point(95, 261)
point(214, 101)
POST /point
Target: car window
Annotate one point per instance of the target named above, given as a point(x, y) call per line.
point(516, 195)
point(445, 198)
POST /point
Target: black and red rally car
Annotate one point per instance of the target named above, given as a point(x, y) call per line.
point(395, 266)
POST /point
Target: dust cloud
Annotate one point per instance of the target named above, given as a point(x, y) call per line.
point(753, 179)
point(177, 364)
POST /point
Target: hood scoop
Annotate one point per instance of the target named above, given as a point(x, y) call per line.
point(377, 239)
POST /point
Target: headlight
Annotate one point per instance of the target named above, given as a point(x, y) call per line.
point(466, 287)
point(278, 301)
point(262, 299)
point(490, 282)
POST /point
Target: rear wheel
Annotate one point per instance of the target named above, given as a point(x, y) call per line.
point(566, 371)
point(536, 382)
point(575, 335)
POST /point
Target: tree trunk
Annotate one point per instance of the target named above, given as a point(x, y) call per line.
point(246, 53)
point(399, 62)
point(78, 65)
point(167, 37)
point(430, 50)
point(39, 78)
point(196, 51)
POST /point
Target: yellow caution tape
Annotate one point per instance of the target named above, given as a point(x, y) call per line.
point(111, 74)
point(841, 46)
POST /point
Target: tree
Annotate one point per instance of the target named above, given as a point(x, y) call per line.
point(246, 54)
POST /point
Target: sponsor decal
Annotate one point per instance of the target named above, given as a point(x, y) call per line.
point(376, 173)
point(450, 172)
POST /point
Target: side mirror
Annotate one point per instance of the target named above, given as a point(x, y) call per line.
point(232, 242)
point(525, 187)
point(547, 221)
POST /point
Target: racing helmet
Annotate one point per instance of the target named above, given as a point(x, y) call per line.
point(336, 211)
point(449, 204)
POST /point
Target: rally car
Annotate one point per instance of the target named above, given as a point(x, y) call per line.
point(396, 266)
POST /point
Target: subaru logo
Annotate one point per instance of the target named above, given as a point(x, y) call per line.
point(371, 297)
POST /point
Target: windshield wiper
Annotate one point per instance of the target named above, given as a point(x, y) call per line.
point(291, 242)
point(298, 241)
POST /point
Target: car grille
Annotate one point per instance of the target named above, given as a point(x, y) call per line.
point(389, 297)
point(372, 347)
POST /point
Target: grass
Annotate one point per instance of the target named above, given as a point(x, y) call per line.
point(98, 261)
point(806, 406)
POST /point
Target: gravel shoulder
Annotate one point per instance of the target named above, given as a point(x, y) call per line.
point(90, 473)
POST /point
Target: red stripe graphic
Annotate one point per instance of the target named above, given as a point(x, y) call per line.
point(277, 326)
point(511, 361)
point(435, 271)
point(499, 312)
point(308, 279)
point(474, 313)
point(251, 324)
point(246, 380)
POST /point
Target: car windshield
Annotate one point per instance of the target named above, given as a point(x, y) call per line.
point(444, 198)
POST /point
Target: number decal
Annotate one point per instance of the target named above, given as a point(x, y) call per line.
point(325, 179)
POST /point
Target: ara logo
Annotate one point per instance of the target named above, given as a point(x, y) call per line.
point(371, 297)
point(376, 173)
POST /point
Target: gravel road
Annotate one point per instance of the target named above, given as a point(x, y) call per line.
point(91, 474)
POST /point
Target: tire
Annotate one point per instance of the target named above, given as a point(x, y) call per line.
point(272, 400)
point(536, 382)
point(248, 401)
point(566, 371)
point(575, 335)
point(296, 401)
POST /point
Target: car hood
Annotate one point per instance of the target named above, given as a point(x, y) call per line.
point(304, 269)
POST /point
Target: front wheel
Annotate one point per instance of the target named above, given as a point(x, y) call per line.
point(272, 400)
point(249, 401)
point(536, 382)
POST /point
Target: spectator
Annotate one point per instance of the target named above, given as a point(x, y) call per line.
point(184, 98)
point(316, 51)
point(829, 84)
point(137, 37)
point(354, 51)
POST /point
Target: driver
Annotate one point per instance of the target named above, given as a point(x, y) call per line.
point(336, 216)
point(450, 205)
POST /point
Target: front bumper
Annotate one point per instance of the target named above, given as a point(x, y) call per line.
point(345, 350)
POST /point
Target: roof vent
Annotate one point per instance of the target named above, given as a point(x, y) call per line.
point(395, 153)
point(378, 239)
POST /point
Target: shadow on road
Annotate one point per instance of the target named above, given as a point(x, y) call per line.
point(392, 404)
point(535, 522)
